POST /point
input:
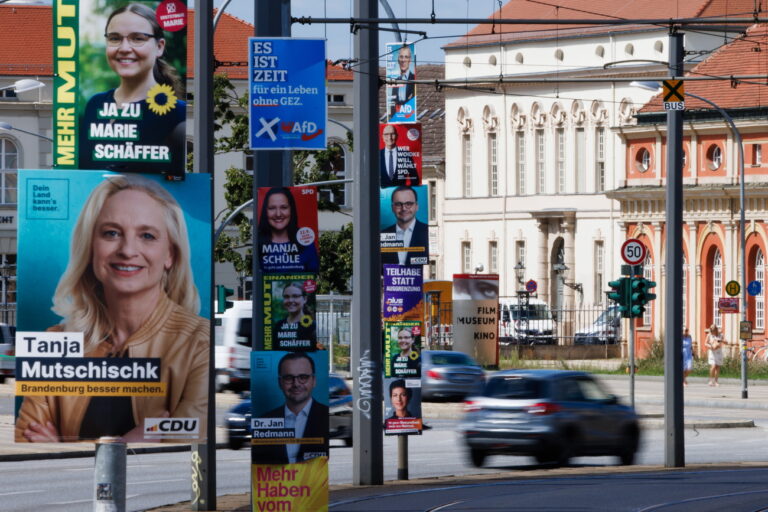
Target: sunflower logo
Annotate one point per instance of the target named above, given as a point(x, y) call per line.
point(161, 99)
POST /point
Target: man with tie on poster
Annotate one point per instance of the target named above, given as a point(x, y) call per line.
point(413, 233)
point(396, 167)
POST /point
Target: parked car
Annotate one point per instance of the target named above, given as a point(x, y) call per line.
point(552, 415)
point(7, 350)
point(448, 374)
point(238, 419)
point(605, 331)
point(529, 324)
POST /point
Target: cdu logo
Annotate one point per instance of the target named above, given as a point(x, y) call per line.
point(171, 427)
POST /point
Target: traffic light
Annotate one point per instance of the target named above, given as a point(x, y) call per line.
point(640, 295)
point(619, 294)
point(222, 304)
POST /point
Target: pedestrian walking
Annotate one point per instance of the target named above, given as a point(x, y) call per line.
point(687, 355)
point(715, 354)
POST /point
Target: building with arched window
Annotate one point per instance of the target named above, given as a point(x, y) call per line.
point(535, 146)
point(711, 193)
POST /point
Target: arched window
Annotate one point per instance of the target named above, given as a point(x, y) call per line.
point(9, 164)
point(717, 286)
point(760, 297)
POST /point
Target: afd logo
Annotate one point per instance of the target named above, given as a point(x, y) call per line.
point(307, 129)
point(171, 427)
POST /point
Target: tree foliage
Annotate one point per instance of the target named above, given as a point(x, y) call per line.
point(231, 132)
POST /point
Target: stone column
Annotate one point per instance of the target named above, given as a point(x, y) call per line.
point(692, 283)
point(542, 272)
point(661, 284)
point(569, 231)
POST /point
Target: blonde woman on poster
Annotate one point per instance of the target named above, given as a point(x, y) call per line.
point(129, 289)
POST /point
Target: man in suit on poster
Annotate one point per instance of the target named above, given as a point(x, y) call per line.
point(413, 233)
point(396, 167)
point(403, 94)
point(301, 413)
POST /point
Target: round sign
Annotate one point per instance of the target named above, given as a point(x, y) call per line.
point(633, 252)
point(732, 288)
point(754, 288)
point(531, 286)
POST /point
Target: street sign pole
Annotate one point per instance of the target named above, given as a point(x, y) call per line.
point(674, 448)
point(204, 455)
point(366, 366)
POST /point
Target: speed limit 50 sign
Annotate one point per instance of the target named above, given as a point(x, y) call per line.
point(633, 252)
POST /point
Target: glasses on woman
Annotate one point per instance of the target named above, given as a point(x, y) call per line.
point(135, 39)
point(290, 379)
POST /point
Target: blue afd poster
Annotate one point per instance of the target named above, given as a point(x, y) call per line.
point(287, 93)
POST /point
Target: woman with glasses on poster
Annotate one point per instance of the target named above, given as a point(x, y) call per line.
point(140, 124)
point(297, 330)
point(128, 287)
point(280, 249)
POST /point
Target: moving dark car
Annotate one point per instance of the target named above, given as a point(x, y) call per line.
point(551, 415)
point(448, 374)
point(238, 419)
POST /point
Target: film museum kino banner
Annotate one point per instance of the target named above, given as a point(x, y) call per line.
point(120, 73)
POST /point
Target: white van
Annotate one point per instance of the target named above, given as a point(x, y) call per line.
point(526, 325)
point(233, 347)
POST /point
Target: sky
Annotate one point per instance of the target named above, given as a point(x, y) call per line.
point(340, 38)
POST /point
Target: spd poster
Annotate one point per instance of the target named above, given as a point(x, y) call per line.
point(400, 154)
point(287, 229)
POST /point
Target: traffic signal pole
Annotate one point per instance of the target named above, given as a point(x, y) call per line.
point(203, 460)
point(366, 365)
point(674, 448)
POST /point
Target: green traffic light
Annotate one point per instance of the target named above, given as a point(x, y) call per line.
point(222, 292)
point(620, 295)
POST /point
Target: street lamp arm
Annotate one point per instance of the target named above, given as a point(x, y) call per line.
point(7, 126)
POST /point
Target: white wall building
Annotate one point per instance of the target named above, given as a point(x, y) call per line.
point(528, 164)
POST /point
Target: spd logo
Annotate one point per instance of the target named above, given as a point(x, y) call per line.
point(171, 427)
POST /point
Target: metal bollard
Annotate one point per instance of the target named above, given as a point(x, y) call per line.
point(109, 475)
point(402, 457)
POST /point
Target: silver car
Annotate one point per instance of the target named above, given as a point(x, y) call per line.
point(7, 349)
point(448, 374)
point(552, 415)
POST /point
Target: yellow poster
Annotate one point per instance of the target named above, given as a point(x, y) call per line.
point(290, 487)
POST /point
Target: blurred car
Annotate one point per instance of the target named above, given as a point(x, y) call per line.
point(238, 419)
point(7, 350)
point(448, 374)
point(552, 415)
point(605, 331)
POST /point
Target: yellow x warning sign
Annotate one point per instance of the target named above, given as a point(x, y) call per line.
point(673, 94)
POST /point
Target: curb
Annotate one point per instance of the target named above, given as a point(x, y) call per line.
point(17, 457)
